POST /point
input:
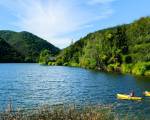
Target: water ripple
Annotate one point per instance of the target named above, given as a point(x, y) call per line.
point(30, 85)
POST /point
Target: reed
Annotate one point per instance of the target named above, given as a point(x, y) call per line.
point(59, 112)
point(64, 112)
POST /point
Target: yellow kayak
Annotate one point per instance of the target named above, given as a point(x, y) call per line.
point(127, 97)
point(146, 93)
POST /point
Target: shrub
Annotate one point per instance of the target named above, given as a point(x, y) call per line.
point(65, 64)
point(113, 67)
point(140, 68)
point(127, 59)
point(147, 73)
point(59, 61)
point(88, 63)
point(51, 63)
point(73, 64)
point(126, 68)
point(110, 67)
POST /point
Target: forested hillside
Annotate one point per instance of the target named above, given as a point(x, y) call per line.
point(124, 48)
point(8, 53)
point(27, 44)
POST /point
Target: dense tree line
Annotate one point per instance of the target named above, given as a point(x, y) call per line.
point(124, 48)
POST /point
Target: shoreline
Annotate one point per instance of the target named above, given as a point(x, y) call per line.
point(138, 69)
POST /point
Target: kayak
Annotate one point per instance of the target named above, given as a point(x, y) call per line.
point(146, 93)
point(127, 97)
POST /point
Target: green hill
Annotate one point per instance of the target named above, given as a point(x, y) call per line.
point(27, 44)
point(8, 53)
point(124, 48)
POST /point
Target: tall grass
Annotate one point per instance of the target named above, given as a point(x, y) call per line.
point(59, 112)
point(64, 112)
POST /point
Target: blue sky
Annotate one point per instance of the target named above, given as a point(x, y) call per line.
point(61, 21)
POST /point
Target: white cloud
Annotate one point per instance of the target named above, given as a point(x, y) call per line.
point(51, 19)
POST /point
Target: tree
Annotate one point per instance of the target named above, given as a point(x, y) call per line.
point(44, 57)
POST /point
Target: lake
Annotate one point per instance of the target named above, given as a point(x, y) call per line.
point(31, 85)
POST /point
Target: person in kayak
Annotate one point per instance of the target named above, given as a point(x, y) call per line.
point(132, 94)
point(146, 92)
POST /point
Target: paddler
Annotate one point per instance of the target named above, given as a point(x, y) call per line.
point(132, 94)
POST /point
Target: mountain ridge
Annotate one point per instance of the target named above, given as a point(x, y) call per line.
point(28, 44)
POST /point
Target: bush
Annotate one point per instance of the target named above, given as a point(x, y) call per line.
point(113, 67)
point(127, 59)
point(147, 73)
point(89, 63)
point(65, 64)
point(92, 64)
point(126, 68)
point(110, 67)
point(51, 63)
point(44, 57)
point(73, 64)
point(59, 61)
point(140, 68)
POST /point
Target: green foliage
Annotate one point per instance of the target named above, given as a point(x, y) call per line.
point(112, 49)
point(113, 67)
point(27, 44)
point(140, 68)
point(127, 59)
point(90, 56)
point(126, 68)
point(44, 57)
point(147, 73)
point(110, 67)
point(60, 61)
point(8, 53)
point(88, 63)
point(51, 63)
point(73, 64)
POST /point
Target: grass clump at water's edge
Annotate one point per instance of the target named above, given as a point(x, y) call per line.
point(67, 112)
point(60, 112)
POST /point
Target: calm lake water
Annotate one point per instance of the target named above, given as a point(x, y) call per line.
point(31, 85)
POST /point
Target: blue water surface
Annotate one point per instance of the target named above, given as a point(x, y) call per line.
point(32, 85)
